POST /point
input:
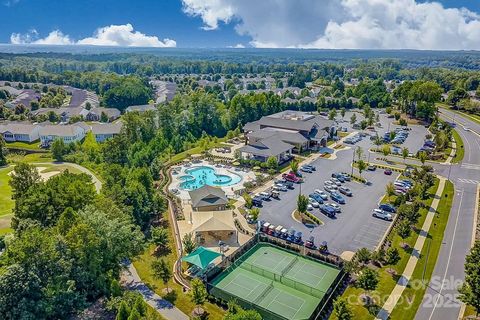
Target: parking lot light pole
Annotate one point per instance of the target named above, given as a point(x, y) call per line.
point(353, 159)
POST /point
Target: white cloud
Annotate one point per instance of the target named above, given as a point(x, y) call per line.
point(237, 46)
point(113, 35)
point(375, 24)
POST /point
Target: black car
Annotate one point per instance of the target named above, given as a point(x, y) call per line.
point(257, 201)
point(288, 184)
point(388, 207)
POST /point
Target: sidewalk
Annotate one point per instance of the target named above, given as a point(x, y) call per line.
point(402, 283)
point(165, 308)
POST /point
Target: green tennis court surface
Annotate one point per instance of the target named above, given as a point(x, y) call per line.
point(278, 283)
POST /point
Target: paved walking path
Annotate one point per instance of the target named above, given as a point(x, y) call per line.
point(396, 293)
point(162, 306)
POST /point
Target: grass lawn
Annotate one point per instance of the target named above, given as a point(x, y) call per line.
point(25, 145)
point(33, 157)
point(387, 281)
point(179, 298)
point(6, 202)
point(412, 298)
point(460, 152)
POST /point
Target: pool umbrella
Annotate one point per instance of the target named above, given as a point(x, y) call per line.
point(201, 257)
point(236, 163)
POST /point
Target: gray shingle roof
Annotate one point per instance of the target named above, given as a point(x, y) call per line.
point(207, 196)
point(269, 147)
point(289, 137)
point(106, 128)
point(17, 127)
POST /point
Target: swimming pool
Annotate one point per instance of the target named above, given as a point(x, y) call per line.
point(197, 177)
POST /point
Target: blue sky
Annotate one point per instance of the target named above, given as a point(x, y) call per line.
point(266, 23)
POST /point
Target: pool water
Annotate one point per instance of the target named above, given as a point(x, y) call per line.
point(197, 177)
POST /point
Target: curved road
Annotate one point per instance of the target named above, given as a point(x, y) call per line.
point(440, 301)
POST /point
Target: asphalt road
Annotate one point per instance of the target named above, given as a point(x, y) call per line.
point(440, 301)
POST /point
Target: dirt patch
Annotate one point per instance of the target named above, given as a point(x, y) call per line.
point(5, 222)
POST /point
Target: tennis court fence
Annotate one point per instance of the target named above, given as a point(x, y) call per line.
point(226, 296)
point(282, 279)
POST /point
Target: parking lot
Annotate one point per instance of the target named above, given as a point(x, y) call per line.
point(354, 227)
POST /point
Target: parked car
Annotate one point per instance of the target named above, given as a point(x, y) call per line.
point(335, 206)
point(312, 167)
point(331, 184)
point(275, 194)
point(346, 191)
point(387, 207)
point(309, 207)
point(315, 196)
point(371, 167)
point(306, 169)
point(322, 194)
point(264, 195)
point(257, 201)
point(378, 213)
point(337, 197)
point(279, 187)
point(313, 202)
point(346, 176)
point(288, 184)
point(336, 182)
point(291, 177)
point(388, 172)
point(310, 243)
point(329, 189)
point(328, 211)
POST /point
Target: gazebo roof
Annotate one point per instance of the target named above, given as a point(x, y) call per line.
point(201, 257)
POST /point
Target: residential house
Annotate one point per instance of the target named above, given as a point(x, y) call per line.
point(141, 108)
point(19, 131)
point(95, 114)
point(68, 133)
point(104, 131)
point(208, 198)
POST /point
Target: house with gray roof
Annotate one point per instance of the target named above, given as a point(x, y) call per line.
point(19, 131)
point(141, 108)
point(104, 131)
point(282, 133)
point(68, 133)
point(208, 198)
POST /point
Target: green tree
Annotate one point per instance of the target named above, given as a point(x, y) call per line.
point(123, 312)
point(161, 271)
point(392, 256)
point(361, 166)
point(59, 149)
point(302, 202)
point(198, 294)
point(134, 315)
point(255, 213)
point(235, 312)
point(353, 119)
point(160, 236)
point(272, 163)
point(368, 280)
point(3, 152)
point(359, 153)
point(248, 200)
point(404, 230)
point(332, 114)
point(390, 191)
point(341, 309)
point(343, 111)
point(22, 178)
point(386, 150)
point(422, 155)
point(294, 166)
point(363, 256)
point(405, 153)
point(140, 306)
point(188, 243)
point(470, 290)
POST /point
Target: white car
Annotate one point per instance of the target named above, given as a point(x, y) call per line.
point(313, 202)
point(335, 206)
point(322, 194)
point(379, 213)
point(466, 128)
point(336, 181)
point(309, 207)
point(329, 189)
point(330, 184)
point(279, 187)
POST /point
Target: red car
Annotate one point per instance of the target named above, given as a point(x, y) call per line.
point(291, 177)
point(388, 172)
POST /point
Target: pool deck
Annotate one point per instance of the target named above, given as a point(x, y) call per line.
point(232, 191)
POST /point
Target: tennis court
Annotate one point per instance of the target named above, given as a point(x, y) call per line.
point(280, 284)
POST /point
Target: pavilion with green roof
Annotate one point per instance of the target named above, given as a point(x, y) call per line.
point(201, 257)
